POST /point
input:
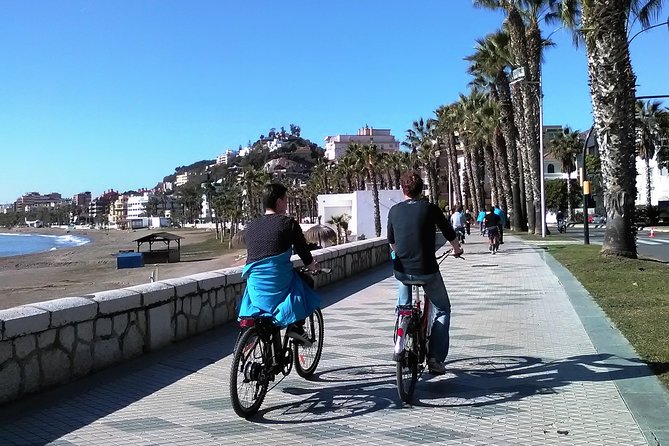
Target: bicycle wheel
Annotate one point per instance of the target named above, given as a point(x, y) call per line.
point(248, 375)
point(407, 364)
point(307, 358)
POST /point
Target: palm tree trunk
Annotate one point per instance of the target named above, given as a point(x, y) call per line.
point(510, 133)
point(649, 187)
point(451, 147)
point(469, 166)
point(491, 173)
point(375, 196)
point(612, 88)
point(569, 207)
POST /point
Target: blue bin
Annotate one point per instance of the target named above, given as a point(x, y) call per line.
point(129, 260)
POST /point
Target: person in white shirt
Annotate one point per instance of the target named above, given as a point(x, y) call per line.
point(458, 221)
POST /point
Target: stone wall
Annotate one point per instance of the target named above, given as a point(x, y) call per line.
point(52, 342)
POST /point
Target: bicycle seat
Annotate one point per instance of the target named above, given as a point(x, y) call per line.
point(413, 282)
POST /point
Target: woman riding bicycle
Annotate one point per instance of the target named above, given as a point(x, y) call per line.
point(273, 287)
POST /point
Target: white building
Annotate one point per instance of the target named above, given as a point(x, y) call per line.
point(359, 205)
point(137, 204)
point(244, 151)
point(225, 157)
point(335, 146)
point(276, 144)
point(659, 183)
point(184, 178)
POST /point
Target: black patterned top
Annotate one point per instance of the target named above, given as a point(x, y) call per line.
point(273, 234)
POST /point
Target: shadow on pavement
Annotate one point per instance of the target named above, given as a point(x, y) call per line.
point(72, 406)
point(469, 385)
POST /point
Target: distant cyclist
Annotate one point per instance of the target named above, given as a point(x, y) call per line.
point(502, 223)
point(411, 234)
point(479, 220)
point(458, 221)
point(492, 223)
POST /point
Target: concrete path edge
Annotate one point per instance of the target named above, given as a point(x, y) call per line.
point(646, 397)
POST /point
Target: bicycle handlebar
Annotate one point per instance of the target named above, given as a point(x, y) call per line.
point(315, 272)
point(448, 253)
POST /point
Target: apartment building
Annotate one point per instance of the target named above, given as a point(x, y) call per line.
point(335, 146)
point(184, 178)
point(34, 199)
point(225, 157)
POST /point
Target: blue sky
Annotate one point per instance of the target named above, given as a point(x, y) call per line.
point(97, 95)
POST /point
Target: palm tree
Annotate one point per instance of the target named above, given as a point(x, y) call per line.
point(564, 148)
point(370, 154)
point(603, 25)
point(522, 23)
point(648, 132)
point(421, 140)
point(489, 65)
point(340, 222)
point(250, 180)
point(445, 129)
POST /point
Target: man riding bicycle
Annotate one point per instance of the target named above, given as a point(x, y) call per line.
point(411, 234)
point(273, 287)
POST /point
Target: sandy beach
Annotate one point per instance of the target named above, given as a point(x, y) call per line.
point(92, 267)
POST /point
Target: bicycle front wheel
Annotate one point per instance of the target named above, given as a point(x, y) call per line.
point(248, 374)
point(407, 366)
point(307, 358)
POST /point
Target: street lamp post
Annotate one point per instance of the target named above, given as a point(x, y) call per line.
point(541, 156)
point(586, 189)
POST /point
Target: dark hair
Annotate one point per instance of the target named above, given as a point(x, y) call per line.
point(412, 184)
point(459, 208)
point(490, 208)
point(271, 193)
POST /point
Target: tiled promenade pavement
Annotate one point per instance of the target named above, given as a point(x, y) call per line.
point(522, 370)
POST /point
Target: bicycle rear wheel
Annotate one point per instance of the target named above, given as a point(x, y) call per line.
point(407, 365)
point(307, 358)
point(248, 374)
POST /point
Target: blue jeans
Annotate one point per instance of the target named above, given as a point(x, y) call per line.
point(436, 291)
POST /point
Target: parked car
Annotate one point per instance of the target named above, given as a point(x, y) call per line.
point(597, 219)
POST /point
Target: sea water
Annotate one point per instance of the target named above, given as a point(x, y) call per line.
point(18, 244)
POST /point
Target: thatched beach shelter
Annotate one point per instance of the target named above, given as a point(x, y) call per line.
point(239, 240)
point(321, 234)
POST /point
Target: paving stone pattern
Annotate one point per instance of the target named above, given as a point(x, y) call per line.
point(521, 371)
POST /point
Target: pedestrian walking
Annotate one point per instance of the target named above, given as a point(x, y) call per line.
point(479, 220)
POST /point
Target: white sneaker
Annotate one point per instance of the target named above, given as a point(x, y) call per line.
point(299, 336)
point(435, 367)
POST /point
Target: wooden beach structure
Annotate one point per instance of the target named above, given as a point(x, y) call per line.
point(169, 250)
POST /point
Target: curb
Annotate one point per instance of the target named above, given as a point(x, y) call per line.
point(645, 396)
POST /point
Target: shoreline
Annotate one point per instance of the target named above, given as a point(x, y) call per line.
point(91, 267)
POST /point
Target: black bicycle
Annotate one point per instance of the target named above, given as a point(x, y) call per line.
point(412, 334)
point(262, 353)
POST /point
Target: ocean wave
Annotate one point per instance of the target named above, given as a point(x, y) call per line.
point(60, 240)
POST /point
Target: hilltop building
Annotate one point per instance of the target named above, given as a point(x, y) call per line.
point(225, 157)
point(335, 146)
point(184, 178)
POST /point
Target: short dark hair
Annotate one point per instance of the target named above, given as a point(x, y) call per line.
point(271, 193)
point(412, 184)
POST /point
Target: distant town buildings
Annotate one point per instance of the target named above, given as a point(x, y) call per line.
point(32, 200)
point(335, 146)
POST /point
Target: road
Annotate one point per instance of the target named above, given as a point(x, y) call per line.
point(656, 247)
